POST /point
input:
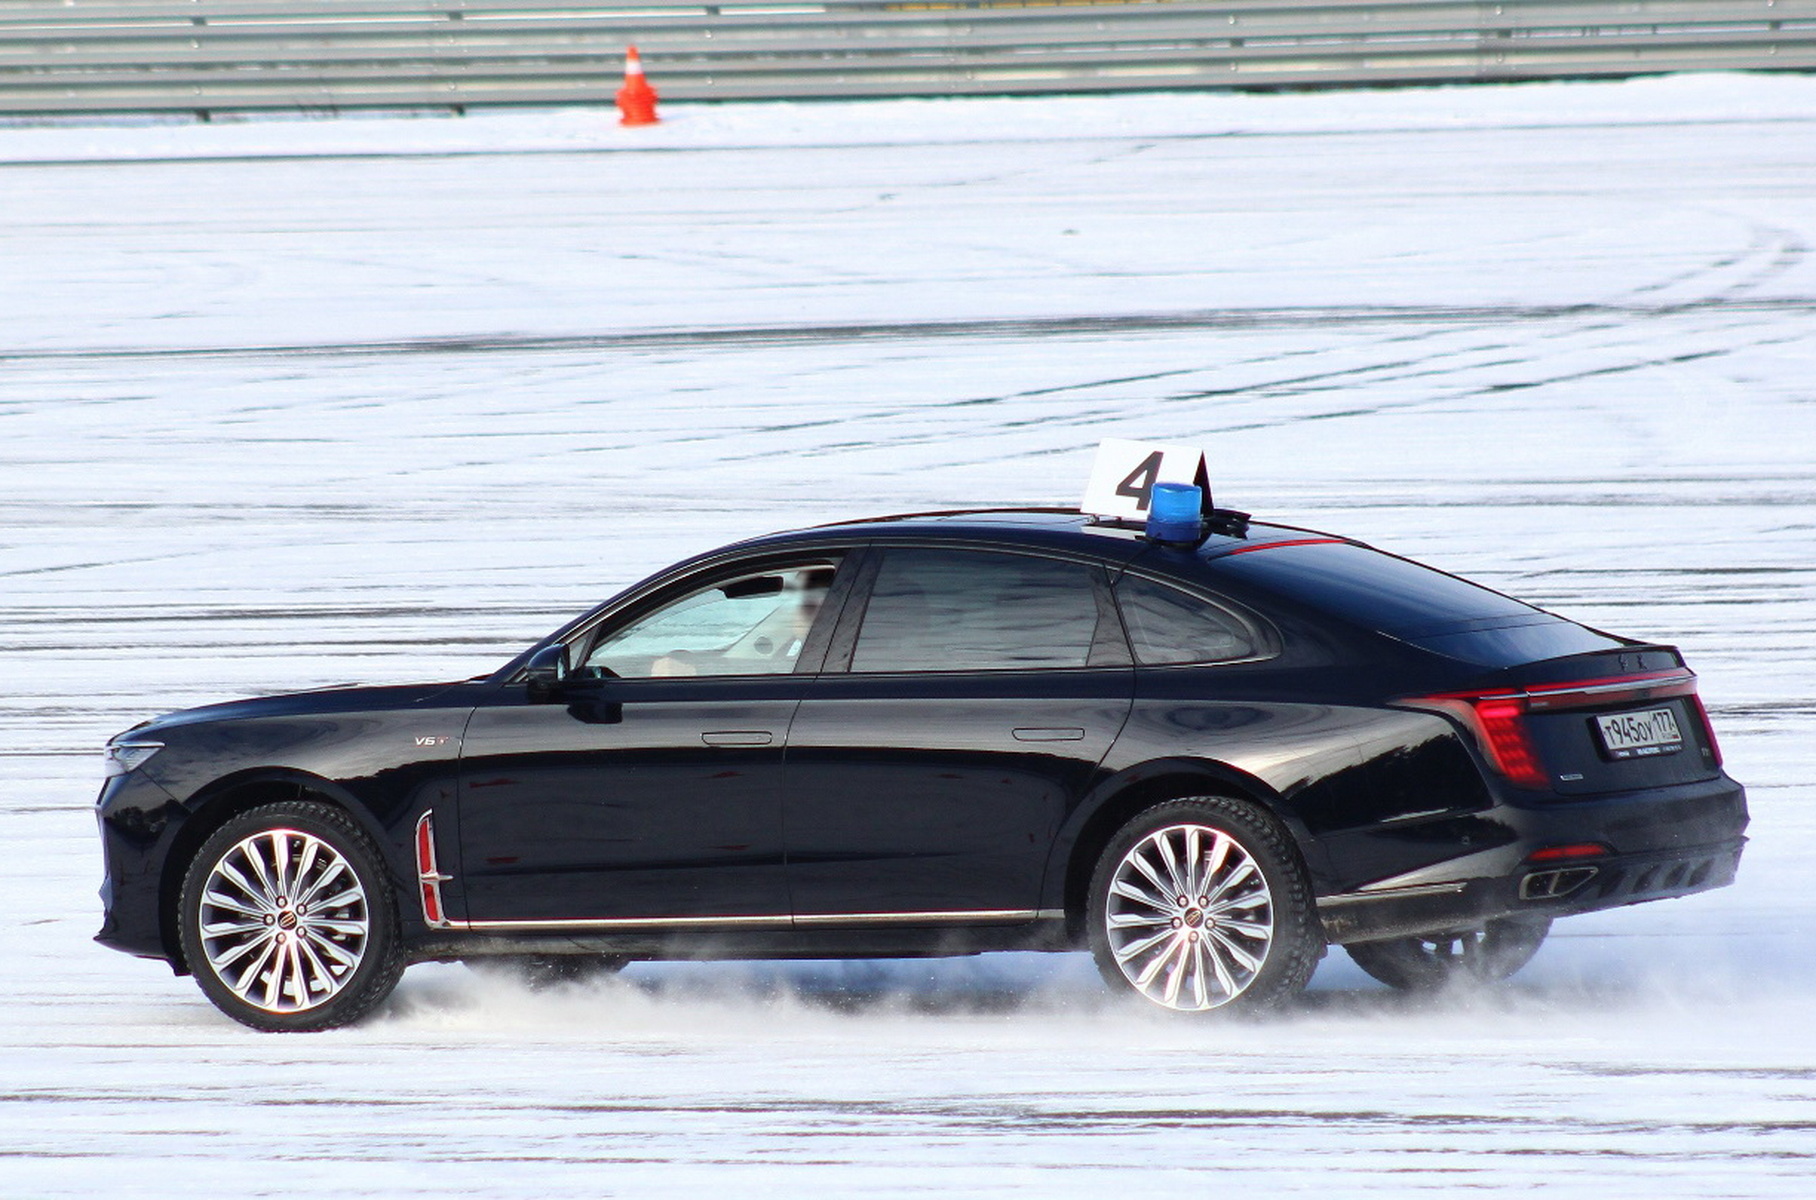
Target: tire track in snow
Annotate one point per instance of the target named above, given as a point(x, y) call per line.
point(1064, 327)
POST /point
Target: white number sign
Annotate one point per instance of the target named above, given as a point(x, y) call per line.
point(1123, 478)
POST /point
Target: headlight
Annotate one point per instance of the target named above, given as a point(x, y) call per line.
point(124, 756)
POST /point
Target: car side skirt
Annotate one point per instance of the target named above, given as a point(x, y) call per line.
point(868, 935)
point(1003, 916)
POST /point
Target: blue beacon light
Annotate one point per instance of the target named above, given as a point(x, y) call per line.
point(1176, 513)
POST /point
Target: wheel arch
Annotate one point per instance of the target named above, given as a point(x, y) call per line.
point(219, 803)
point(1114, 803)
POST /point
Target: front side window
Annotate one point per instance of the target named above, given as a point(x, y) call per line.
point(753, 624)
point(1167, 625)
point(966, 610)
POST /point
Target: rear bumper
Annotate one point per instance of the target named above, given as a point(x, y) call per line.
point(1663, 843)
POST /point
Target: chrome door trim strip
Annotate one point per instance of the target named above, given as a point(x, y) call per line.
point(622, 924)
point(929, 918)
point(631, 924)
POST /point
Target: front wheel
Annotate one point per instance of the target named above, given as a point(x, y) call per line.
point(1203, 903)
point(288, 919)
point(1425, 964)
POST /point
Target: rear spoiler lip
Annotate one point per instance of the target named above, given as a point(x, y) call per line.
point(1592, 667)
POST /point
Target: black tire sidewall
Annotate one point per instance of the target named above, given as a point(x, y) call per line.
point(1298, 941)
point(1405, 964)
point(383, 961)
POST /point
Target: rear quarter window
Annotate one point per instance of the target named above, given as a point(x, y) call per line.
point(1168, 626)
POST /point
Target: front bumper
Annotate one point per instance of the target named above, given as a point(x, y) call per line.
point(138, 822)
point(1662, 843)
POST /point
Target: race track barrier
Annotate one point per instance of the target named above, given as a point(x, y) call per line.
point(213, 56)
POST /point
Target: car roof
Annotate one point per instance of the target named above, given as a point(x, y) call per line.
point(1062, 530)
point(1035, 527)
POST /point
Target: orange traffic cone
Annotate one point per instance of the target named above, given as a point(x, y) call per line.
point(636, 99)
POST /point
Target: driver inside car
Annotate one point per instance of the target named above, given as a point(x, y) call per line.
point(772, 643)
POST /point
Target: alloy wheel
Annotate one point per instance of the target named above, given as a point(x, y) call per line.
point(1189, 917)
point(284, 920)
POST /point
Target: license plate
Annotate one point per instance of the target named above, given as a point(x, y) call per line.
point(1640, 734)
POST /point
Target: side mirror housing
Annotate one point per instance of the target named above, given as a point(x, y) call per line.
point(545, 671)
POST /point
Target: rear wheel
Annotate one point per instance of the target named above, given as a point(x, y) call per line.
point(288, 919)
point(1201, 904)
point(1423, 964)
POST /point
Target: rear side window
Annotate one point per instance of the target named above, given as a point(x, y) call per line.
point(964, 610)
point(1167, 625)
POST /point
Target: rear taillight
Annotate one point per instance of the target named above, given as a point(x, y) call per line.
point(1498, 721)
point(1620, 689)
point(1497, 717)
point(1708, 729)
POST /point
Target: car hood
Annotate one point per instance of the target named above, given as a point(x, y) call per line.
point(347, 698)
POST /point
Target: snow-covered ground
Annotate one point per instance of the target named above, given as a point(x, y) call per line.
point(294, 403)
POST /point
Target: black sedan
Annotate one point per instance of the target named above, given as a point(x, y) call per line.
point(1203, 757)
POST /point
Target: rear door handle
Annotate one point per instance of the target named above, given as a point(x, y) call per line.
point(738, 737)
point(1045, 734)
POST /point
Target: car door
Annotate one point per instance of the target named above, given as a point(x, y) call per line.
point(645, 789)
point(963, 712)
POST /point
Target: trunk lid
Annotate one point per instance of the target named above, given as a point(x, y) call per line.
point(1583, 724)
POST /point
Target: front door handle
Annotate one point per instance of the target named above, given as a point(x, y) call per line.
point(1046, 734)
point(738, 737)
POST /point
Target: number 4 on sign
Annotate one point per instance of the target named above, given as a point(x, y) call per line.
point(1123, 478)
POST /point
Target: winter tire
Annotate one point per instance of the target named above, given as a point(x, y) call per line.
point(1423, 964)
point(289, 920)
point(1203, 904)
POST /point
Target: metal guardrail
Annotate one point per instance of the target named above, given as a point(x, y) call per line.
point(207, 56)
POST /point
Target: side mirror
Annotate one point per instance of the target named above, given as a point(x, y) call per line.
point(545, 671)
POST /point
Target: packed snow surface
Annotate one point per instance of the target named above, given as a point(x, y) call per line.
point(292, 403)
